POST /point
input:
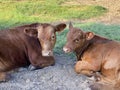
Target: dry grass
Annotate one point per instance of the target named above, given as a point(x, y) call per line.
point(113, 6)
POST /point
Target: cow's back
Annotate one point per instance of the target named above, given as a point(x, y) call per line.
point(12, 49)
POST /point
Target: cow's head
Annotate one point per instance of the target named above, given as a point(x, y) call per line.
point(46, 33)
point(76, 39)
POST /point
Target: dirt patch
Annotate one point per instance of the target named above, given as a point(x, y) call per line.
point(111, 17)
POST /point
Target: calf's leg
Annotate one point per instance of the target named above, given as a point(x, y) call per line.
point(85, 67)
point(87, 72)
point(88, 69)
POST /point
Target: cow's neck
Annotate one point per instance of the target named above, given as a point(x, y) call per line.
point(96, 39)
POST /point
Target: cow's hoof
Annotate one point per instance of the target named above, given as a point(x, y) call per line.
point(53, 64)
point(5, 78)
point(32, 68)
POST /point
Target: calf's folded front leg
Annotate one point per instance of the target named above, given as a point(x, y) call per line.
point(85, 68)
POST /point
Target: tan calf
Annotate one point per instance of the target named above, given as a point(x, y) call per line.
point(95, 54)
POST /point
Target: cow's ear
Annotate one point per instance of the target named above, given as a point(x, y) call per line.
point(31, 32)
point(60, 27)
point(70, 26)
point(89, 35)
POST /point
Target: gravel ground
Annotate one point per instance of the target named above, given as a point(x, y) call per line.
point(58, 77)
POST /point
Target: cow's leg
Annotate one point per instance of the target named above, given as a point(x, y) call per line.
point(41, 63)
point(31, 67)
point(85, 68)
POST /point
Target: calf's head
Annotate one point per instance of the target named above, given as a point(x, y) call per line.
point(46, 33)
point(76, 39)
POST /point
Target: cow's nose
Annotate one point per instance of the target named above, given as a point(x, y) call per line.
point(66, 50)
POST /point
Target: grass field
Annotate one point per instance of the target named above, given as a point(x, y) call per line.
point(17, 12)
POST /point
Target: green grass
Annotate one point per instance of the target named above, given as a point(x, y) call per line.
point(13, 12)
point(108, 31)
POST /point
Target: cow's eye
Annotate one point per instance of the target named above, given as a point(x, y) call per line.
point(53, 37)
point(76, 40)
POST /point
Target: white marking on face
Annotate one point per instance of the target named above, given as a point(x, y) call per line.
point(45, 35)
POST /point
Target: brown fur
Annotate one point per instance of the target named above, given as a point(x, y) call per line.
point(21, 46)
point(95, 54)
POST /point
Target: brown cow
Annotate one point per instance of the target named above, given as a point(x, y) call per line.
point(28, 44)
point(95, 54)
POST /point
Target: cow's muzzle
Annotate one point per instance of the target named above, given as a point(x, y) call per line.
point(47, 53)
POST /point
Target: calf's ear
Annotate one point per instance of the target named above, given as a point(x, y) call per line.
point(89, 35)
point(31, 32)
point(60, 27)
